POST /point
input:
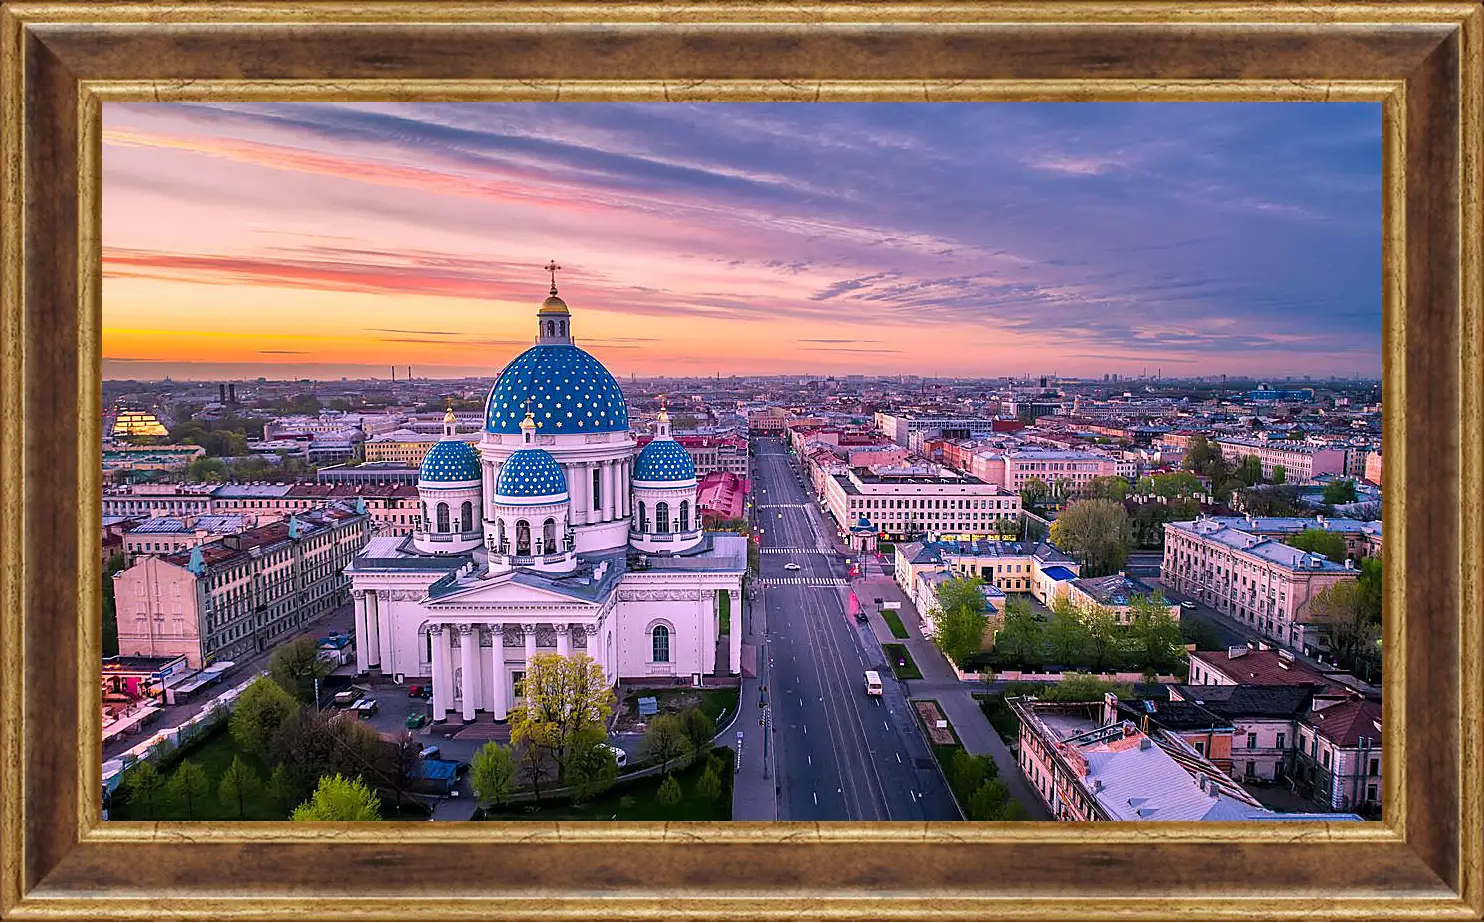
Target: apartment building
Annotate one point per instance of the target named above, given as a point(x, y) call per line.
point(1264, 720)
point(1040, 569)
point(899, 427)
point(144, 500)
point(1053, 467)
point(1300, 460)
point(910, 501)
point(406, 446)
point(712, 454)
point(1362, 537)
point(1116, 593)
point(1339, 755)
point(167, 534)
point(240, 594)
point(1262, 582)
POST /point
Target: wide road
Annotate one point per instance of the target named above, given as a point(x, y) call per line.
point(839, 754)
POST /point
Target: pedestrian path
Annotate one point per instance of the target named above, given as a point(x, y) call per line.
point(804, 581)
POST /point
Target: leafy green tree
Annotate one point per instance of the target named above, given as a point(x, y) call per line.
point(492, 773)
point(1157, 632)
point(189, 786)
point(1370, 590)
point(110, 609)
point(1081, 687)
point(296, 665)
point(699, 729)
point(1033, 491)
point(1177, 485)
point(567, 696)
point(589, 767)
point(1020, 638)
point(337, 798)
point(261, 710)
point(1249, 470)
point(1280, 474)
point(708, 787)
point(1338, 492)
point(1102, 636)
point(143, 782)
point(669, 793)
point(665, 740)
point(1107, 487)
point(988, 800)
point(1097, 532)
point(960, 618)
point(280, 786)
point(239, 786)
point(1066, 634)
point(1276, 500)
point(534, 753)
point(206, 468)
point(1342, 611)
point(1318, 541)
point(1200, 452)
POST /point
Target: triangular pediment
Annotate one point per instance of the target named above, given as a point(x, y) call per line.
point(497, 592)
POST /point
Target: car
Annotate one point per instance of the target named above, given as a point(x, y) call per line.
point(428, 753)
point(1187, 605)
point(620, 757)
point(414, 692)
point(416, 720)
point(790, 566)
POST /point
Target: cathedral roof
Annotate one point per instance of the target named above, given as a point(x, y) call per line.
point(531, 473)
point(565, 389)
point(664, 460)
point(449, 461)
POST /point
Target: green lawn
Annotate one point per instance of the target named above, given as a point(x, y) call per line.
point(896, 652)
point(213, 752)
point(894, 622)
point(718, 703)
point(636, 800)
point(726, 614)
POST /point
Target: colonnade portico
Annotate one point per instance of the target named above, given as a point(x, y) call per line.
point(482, 679)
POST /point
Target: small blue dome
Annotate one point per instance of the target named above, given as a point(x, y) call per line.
point(568, 392)
point(664, 460)
point(450, 461)
point(531, 473)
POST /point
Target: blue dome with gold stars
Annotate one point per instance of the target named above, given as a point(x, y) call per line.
point(449, 461)
point(664, 460)
point(531, 473)
point(566, 390)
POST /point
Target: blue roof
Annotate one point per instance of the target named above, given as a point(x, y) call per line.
point(531, 473)
point(449, 461)
point(1059, 573)
point(664, 460)
point(569, 392)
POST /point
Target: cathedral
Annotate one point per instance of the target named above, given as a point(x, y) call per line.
point(551, 535)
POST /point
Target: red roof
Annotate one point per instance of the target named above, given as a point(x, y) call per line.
point(1345, 723)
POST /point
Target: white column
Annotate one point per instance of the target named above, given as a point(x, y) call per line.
point(363, 655)
point(706, 622)
point(530, 634)
point(385, 636)
point(564, 640)
point(373, 630)
point(624, 497)
point(610, 505)
point(442, 678)
point(736, 637)
point(468, 644)
point(581, 494)
point(499, 679)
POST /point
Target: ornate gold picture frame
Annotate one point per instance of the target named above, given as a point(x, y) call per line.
point(1422, 61)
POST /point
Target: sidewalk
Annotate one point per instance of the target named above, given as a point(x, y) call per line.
point(754, 796)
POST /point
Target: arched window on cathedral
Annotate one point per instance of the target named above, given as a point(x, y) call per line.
point(466, 516)
point(548, 537)
point(443, 517)
point(643, 517)
point(522, 537)
point(662, 517)
point(661, 644)
point(504, 546)
point(551, 328)
point(684, 517)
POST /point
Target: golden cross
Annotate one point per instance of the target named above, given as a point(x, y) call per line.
point(552, 268)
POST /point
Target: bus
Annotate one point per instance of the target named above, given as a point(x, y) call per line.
point(873, 683)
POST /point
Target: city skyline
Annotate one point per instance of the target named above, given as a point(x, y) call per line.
point(968, 240)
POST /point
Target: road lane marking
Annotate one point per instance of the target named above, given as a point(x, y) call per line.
point(899, 757)
point(816, 799)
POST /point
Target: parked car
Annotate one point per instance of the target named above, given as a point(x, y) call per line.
point(428, 753)
point(416, 720)
point(619, 756)
point(347, 698)
point(1187, 605)
point(422, 691)
point(365, 708)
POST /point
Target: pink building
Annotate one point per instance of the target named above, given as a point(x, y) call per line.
point(722, 495)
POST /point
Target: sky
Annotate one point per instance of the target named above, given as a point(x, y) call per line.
point(958, 239)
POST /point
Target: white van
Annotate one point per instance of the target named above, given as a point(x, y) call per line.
point(873, 683)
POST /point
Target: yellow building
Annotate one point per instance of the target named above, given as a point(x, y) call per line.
point(131, 424)
point(405, 446)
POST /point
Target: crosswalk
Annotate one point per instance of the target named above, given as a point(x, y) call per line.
point(783, 506)
point(804, 581)
point(797, 550)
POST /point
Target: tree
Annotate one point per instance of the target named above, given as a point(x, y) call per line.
point(1033, 491)
point(296, 665)
point(261, 710)
point(1102, 636)
point(280, 786)
point(143, 782)
point(534, 749)
point(988, 799)
point(1277, 500)
point(110, 609)
point(1249, 470)
point(1280, 474)
point(1199, 454)
point(1157, 632)
point(960, 618)
point(1338, 492)
point(1176, 485)
point(590, 767)
point(1067, 635)
point(337, 798)
point(565, 696)
point(669, 793)
point(665, 740)
point(699, 729)
point(492, 773)
point(398, 767)
point(1366, 511)
point(189, 785)
point(708, 787)
point(1097, 532)
point(239, 785)
point(206, 468)
point(1343, 611)
point(1019, 639)
point(1318, 541)
point(1081, 687)
point(1106, 487)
